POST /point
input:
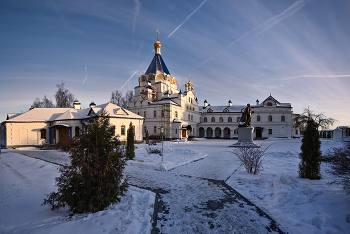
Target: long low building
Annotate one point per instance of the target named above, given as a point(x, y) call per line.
point(40, 126)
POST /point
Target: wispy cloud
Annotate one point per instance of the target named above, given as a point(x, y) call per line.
point(86, 74)
point(200, 5)
point(266, 25)
point(136, 13)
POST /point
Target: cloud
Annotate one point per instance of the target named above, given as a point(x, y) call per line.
point(266, 25)
point(136, 13)
point(86, 74)
point(200, 5)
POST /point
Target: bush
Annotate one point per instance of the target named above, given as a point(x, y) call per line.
point(251, 158)
point(93, 181)
point(147, 137)
point(153, 151)
point(339, 160)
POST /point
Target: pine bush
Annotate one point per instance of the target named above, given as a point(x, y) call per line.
point(147, 137)
point(310, 155)
point(130, 147)
point(94, 179)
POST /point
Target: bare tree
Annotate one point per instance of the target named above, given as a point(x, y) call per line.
point(116, 97)
point(320, 119)
point(45, 103)
point(129, 98)
point(64, 98)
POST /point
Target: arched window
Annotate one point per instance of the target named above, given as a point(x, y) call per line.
point(191, 117)
point(283, 118)
point(155, 129)
point(221, 119)
point(235, 131)
point(212, 119)
point(270, 131)
point(238, 119)
point(144, 114)
point(296, 131)
point(122, 130)
point(175, 114)
point(205, 119)
point(154, 114)
point(269, 104)
point(43, 133)
point(270, 118)
point(258, 118)
point(229, 119)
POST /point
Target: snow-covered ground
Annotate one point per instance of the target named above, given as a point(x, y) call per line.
point(192, 201)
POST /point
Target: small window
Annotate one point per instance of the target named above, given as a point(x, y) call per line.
point(270, 118)
point(258, 118)
point(138, 113)
point(144, 114)
point(205, 120)
point(122, 130)
point(191, 117)
point(43, 133)
point(269, 104)
point(77, 131)
point(113, 129)
point(162, 113)
point(270, 131)
point(175, 114)
point(155, 129)
point(229, 119)
point(175, 131)
point(145, 129)
point(226, 110)
point(210, 110)
point(296, 131)
point(212, 119)
point(238, 119)
point(283, 118)
point(221, 119)
point(154, 113)
point(235, 131)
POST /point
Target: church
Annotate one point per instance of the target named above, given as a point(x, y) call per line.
point(175, 114)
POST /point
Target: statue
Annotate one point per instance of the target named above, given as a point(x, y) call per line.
point(246, 117)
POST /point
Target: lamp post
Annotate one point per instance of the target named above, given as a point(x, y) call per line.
point(162, 133)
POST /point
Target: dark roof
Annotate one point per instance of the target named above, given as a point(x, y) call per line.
point(272, 99)
point(157, 66)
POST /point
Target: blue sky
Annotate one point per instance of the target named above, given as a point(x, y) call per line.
point(299, 51)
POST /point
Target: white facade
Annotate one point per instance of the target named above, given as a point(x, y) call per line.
point(56, 125)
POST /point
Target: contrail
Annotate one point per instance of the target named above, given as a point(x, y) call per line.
point(136, 71)
point(267, 25)
point(136, 13)
point(86, 73)
point(186, 19)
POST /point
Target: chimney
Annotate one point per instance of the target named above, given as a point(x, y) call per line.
point(229, 103)
point(92, 104)
point(76, 104)
point(205, 103)
point(257, 102)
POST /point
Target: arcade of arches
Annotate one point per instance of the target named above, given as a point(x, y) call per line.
point(218, 132)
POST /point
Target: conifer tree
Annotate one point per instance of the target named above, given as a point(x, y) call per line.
point(147, 137)
point(130, 148)
point(310, 155)
point(329, 134)
point(93, 180)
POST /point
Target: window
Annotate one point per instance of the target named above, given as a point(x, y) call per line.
point(258, 118)
point(283, 118)
point(269, 104)
point(138, 113)
point(154, 113)
point(145, 129)
point(226, 110)
point(235, 131)
point(238, 119)
point(155, 129)
point(175, 114)
point(212, 119)
point(122, 130)
point(229, 119)
point(270, 131)
point(270, 118)
point(113, 129)
point(144, 114)
point(210, 110)
point(205, 120)
point(43, 133)
point(221, 119)
point(162, 113)
point(175, 131)
point(296, 131)
point(77, 131)
point(191, 117)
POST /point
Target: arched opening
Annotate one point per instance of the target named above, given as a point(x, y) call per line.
point(229, 119)
point(209, 132)
point(212, 119)
point(205, 120)
point(227, 133)
point(217, 132)
point(201, 132)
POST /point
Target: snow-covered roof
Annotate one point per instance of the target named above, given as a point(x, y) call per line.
point(39, 114)
point(12, 115)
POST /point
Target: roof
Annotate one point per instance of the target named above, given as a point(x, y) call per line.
point(39, 114)
point(272, 99)
point(12, 115)
point(157, 66)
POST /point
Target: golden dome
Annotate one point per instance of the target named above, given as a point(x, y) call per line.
point(157, 44)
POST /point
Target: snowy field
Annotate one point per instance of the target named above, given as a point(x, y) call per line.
point(186, 182)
